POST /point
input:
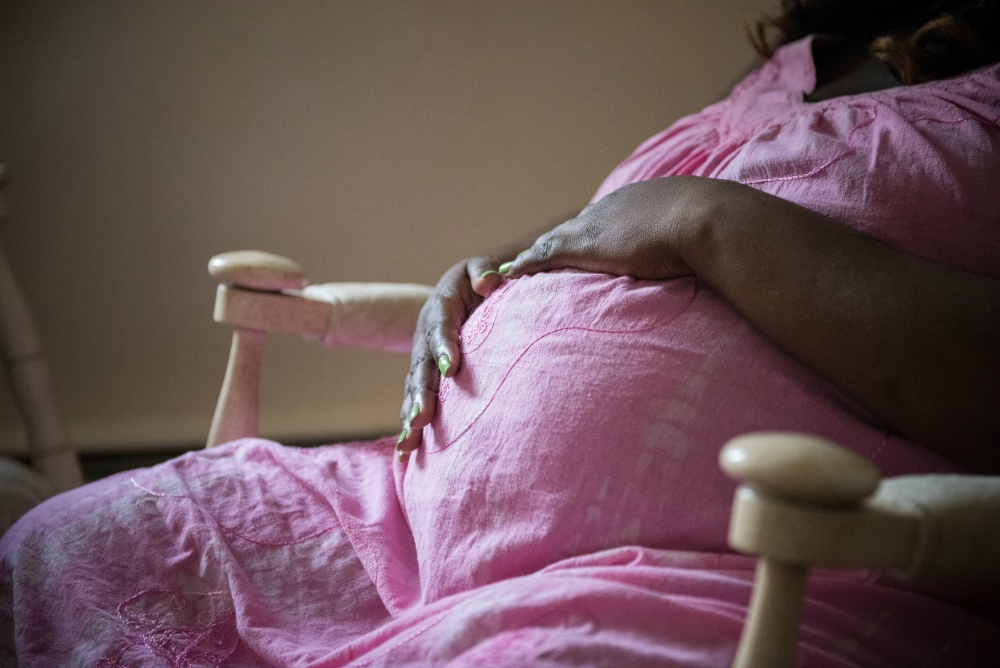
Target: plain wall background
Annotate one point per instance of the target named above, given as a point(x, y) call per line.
point(367, 140)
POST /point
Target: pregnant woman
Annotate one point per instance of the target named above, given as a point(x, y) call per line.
point(819, 252)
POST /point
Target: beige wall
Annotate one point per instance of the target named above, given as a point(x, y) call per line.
point(368, 140)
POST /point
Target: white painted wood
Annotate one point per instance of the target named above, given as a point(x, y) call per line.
point(377, 316)
point(258, 270)
point(770, 633)
point(264, 294)
point(806, 502)
point(800, 467)
point(867, 536)
point(290, 313)
point(236, 414)
point(791, 484)
point(958, 526)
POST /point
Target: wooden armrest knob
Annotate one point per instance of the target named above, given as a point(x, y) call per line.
point(800, 468)
point(257, 270)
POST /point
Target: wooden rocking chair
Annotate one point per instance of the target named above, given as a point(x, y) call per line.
point(802, 502)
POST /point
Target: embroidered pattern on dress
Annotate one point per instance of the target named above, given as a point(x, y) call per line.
point(182, 629)
point(851, 149)
point(478, 327)
point(503, 379)
point(646, 325)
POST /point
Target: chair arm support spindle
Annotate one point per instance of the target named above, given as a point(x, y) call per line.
point(236, 414)
point(770, 633)
point(788, 481)
point(250, 298)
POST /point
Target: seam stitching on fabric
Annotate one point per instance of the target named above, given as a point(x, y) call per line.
point(513, 364)
point(402, 641)
point(851, 148)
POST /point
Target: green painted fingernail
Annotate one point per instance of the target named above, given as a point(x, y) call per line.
point(504, 269)
point(402, 437)
point(521, 254)
point(444, 363)
point(487, 273)
point(414, 410)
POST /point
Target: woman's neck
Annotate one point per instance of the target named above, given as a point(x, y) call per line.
point(847, 67)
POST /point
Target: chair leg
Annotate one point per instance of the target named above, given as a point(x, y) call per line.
point(770, 634)
point(50, 450)
point(236, 413)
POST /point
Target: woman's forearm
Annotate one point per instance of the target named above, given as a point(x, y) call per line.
point(915, 342)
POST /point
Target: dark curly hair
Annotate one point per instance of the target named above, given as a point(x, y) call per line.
point(919, 39)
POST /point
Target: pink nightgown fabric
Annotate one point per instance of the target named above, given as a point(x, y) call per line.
point(567, 508)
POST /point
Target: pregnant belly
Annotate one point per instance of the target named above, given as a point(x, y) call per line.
point(588, 413)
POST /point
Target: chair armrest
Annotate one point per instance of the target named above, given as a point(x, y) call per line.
point(958, 518)
point(806, 502)
point(260, 293)
point(265, 292)
point(810, 502)
point(380, 316)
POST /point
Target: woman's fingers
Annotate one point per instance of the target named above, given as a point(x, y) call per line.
point(436, 347)
point(633, 231)
point(419, 401)
point(565, 246)
point(483, 276)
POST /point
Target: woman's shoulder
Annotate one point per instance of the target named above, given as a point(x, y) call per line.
point(914, 166)
point(974, 96)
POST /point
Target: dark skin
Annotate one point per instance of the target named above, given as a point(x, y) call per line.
point(848, 67)
point(915, 342)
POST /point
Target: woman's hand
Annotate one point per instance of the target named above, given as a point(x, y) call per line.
point(638, 230)
point(436, 349)
point(916, 342)
point(629, 232)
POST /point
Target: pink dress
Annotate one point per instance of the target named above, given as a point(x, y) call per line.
point(567, 507)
